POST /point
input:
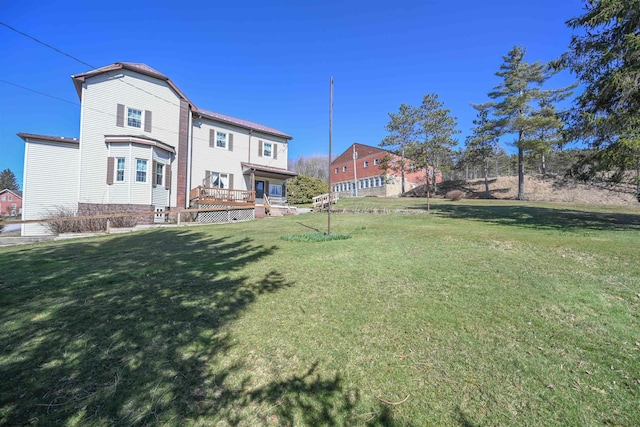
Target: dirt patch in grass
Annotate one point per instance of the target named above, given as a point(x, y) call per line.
point(550, 189)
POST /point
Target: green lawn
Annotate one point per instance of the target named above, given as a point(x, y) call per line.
point(478, 313)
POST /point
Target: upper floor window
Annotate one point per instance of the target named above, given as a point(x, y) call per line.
point(221, 140)
point(267, 149)
point(366, 163)
point(376, 161)
point(141, 170)
point(4, 198)
point(336, 170)
point(159, 173)
point(134, 117)
point(344, 169)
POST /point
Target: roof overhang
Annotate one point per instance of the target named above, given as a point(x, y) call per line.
point(142, 140)
point(48, 138)
point(267, 171)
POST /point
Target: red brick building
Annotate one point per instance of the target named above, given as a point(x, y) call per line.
point(10, 202)
point(363, 176)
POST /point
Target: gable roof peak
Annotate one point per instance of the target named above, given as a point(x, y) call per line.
point(137, 67)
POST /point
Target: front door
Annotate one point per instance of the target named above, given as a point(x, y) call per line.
point(259, 191)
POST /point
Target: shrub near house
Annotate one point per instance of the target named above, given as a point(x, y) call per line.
point(303, 188)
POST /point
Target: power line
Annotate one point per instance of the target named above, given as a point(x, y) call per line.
point(47, 45)
point(81, 61)
point(90, 66)
point(156, 128)
point(40, 93)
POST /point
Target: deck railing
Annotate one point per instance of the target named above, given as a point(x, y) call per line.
point(222, 194)
point(322, 200)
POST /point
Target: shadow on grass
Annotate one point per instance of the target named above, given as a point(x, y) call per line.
point(463, 419)
point(130, 330)
point(540, 217)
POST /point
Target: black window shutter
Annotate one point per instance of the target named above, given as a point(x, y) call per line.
point(212, 138)
point(231, 180)
point(259, 148)
point(110, 167)
point(147, 121)
point(167, 178)
point(230, 141)
point(275, 151)
point(207, 178)
point(154, 168)
point(120, 116)
point(266, 188)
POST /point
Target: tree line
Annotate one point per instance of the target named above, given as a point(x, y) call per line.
point(604, 56)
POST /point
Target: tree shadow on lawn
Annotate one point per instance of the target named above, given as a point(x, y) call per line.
point(129, 330)
point(541, 217)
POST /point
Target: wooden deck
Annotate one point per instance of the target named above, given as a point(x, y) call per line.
point(222, 196)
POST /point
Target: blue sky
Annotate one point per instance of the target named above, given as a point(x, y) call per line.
point(270, 62)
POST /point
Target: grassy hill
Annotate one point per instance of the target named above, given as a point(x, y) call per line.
point(478, 313)
point(550, 189)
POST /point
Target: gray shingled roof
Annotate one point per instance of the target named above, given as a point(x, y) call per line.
point(242, 123)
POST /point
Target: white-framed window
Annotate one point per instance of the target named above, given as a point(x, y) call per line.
point(366, 163)
point(10, 198)
point(5, 197)
point(159, 173)
point(344, 169)
point(275, 190)
point(267, 149)
point(134, 117)
point(221, 139)
point(219, 180)
point(377, 181)
point(376, 162)
point(141, 170)
point(336, 172)
point(120, 163)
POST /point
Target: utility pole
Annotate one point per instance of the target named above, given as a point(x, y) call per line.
point(330, 137)
point(355, 176)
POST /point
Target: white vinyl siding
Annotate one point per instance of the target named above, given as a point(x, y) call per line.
point(100, 97)
point(160, 194)
point(207, 157)
point(46, 187)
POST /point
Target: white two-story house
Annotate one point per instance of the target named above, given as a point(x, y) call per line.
point(145, 147)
